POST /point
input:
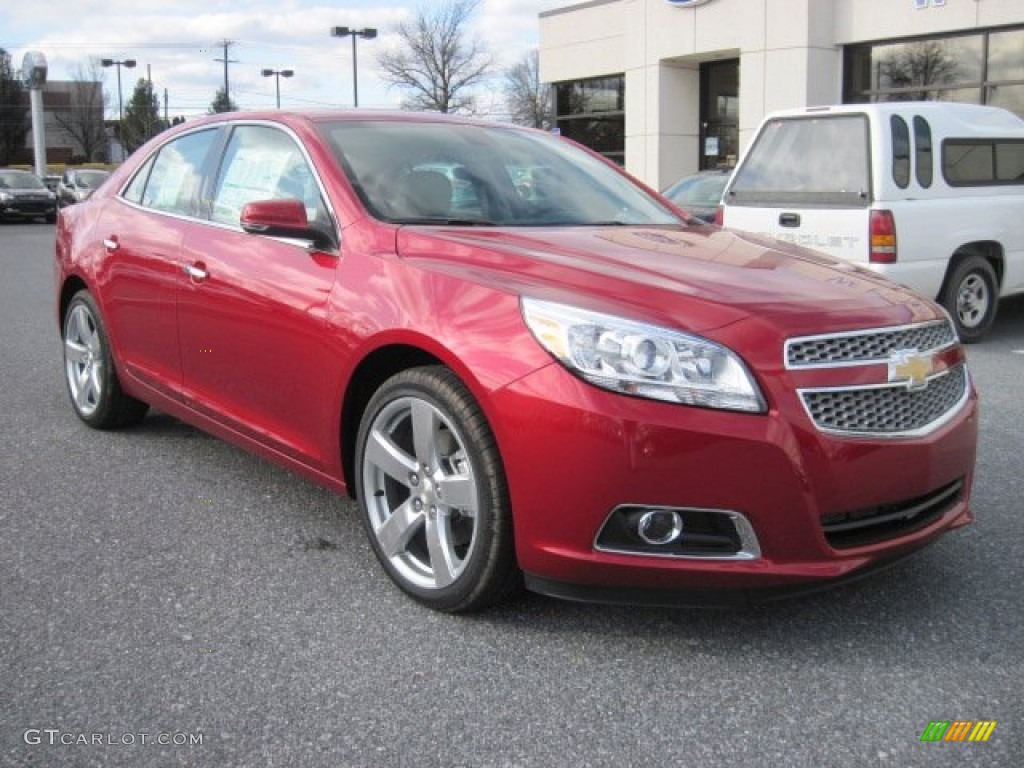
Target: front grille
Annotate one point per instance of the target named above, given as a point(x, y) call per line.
point(886, 521)
point(886, 410)
point(867, 346)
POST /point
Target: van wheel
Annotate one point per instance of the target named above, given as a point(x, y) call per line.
point(971, 297)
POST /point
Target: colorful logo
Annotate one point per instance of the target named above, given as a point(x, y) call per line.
point(910, 366)
point(958, 730)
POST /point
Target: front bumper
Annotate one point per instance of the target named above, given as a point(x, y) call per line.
point(573, 453)
point(19, 209)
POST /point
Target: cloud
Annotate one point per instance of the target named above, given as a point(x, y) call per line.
point(179, 43)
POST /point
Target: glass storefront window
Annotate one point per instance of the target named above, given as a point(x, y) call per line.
point(592, 112)
point(948, 68)
point(1006, 55)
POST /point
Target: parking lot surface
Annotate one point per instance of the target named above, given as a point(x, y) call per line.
point(158, 585)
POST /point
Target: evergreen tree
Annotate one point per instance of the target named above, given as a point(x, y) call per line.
point(221, 103)
point(14, 122)
point(141, 117)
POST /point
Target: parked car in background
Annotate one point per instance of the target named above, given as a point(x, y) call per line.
point(928, 194)
point(701, 193)
point(24, 196)
point(78, 183)
point(51, 181)
point(563, 383)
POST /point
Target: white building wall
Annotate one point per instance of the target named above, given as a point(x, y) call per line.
point(790, 54)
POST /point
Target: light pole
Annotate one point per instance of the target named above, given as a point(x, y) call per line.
point(367, 34)
point(128, 64)
point(277, 75)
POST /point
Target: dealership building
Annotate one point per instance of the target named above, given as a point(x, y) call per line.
point(670, 87)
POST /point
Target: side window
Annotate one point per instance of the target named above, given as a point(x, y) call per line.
point(980, 162)
point(900, 151)
point(263, 163)
point(923, 149)
point(1010, 162)
point(133, 192)
point(173, 183)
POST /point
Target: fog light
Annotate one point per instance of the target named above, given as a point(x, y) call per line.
point(660, 526)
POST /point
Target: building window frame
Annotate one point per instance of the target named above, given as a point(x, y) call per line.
point(980, 85)
point(592, 111)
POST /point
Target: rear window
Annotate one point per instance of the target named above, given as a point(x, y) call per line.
point(982, 162)
point(813, 161)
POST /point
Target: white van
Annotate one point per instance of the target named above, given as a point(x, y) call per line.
point(928, 194)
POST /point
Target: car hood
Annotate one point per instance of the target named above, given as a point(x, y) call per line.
point(694, 278)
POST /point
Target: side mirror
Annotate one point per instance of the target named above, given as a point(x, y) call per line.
point(283, 218)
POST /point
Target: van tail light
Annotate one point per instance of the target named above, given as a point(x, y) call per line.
point(719, 215)
point(883, 238)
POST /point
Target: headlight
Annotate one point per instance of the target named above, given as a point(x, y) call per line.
point(6, 197)
point(643, 360)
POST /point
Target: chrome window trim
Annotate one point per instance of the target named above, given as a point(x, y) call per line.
point(750, 548)
point(923, 431)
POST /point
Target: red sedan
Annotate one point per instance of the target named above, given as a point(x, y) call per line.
point(524, 365)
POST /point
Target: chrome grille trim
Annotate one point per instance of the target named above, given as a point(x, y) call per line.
point(888, 410)
point(836, 350)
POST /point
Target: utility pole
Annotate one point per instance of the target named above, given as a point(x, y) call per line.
point(167, 123)
point(226, 44)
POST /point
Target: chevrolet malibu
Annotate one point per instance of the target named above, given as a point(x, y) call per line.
point(572, 386)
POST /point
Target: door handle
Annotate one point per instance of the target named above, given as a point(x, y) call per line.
point(195, 272)
point(110, 243)
point(789, 219)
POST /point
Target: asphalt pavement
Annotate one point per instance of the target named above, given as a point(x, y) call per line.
point(158, 585)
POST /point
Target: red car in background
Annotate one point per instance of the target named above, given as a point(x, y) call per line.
point(572, 385)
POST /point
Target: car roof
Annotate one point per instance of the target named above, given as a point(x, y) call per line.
point(297, 117)
point(970, 117)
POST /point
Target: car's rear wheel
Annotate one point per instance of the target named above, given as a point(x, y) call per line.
point(433, 493)
point(89, 373)
point(971, 297)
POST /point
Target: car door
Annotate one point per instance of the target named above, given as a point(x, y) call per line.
point(252, 312)
point(141, 235)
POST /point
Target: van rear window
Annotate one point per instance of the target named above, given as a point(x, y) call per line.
point(808, 160)
point(982, 162)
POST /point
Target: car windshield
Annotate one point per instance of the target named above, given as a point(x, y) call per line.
point(444, 173)
point(704, 190)
point(11, 180)
point(90, 179)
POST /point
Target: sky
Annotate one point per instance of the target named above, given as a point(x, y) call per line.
point(178, 40)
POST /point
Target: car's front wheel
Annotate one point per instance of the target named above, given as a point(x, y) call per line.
point(89, 373)
point(433, 493)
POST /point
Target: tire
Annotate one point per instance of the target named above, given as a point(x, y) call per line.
point(89, 372)
point(433, 494)
point(972, 297)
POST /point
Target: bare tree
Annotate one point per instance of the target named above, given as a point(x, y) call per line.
point(923, 64)
point(83, 118)
point(438, 64)
point(529, 100)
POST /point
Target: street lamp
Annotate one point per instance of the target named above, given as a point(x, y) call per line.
point(128, 64)
point(277, 75)
point(367, 34)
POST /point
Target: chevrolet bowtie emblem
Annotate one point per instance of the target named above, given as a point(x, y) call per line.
point(908, 365)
